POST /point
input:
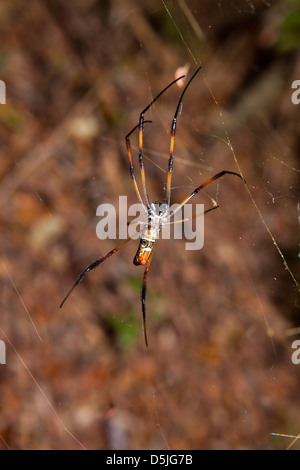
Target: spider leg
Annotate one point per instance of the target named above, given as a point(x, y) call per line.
point(195, 216)
point(93, 266)
point(173, 131)
point(143, 295)
point(141, 129)
point(131, 169)
point(210, 180)
point(140, 126)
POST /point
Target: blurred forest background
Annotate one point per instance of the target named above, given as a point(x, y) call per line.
point(218, 372)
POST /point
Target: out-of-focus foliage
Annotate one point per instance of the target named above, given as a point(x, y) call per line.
point(289, 38)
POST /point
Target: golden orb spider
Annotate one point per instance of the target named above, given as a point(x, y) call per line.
point(158, 213)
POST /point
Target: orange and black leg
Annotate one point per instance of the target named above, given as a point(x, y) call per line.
point(210, 180)
point(173, 132)
point(143, 295)
point(93, 266)
point(140, 127)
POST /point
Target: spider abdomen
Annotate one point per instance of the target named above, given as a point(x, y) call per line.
point(145, 248)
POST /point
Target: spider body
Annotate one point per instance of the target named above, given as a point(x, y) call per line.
point(145, 248)
point(158, 213)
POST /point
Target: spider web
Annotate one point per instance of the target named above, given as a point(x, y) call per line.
point(218, 373)
point(277, 152)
